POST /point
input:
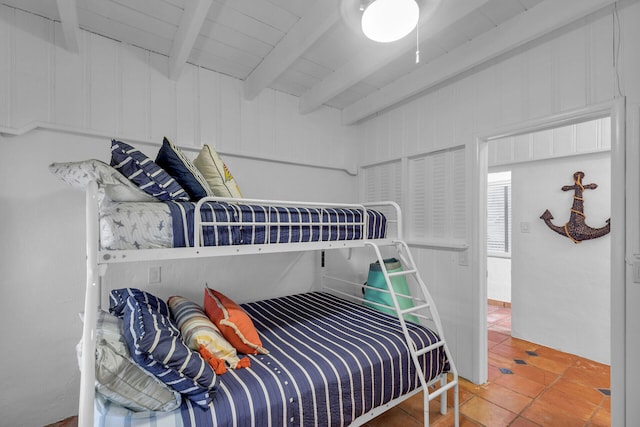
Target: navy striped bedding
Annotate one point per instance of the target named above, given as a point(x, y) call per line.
point(330, 361)
point(287, 224)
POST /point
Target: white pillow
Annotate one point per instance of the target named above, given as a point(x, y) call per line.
point(120, 379)
point(111, 183)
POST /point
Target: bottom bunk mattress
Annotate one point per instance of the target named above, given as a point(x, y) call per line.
point(330, 361)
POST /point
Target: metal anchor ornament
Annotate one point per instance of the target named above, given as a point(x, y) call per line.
point(576, 229)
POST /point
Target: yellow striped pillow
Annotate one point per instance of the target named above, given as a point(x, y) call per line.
point(202, 335)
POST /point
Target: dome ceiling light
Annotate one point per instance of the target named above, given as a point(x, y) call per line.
point(386, 21)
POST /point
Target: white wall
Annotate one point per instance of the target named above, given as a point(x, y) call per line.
point(114, 90)
point(569, 69)
point(561, 290)
point(499, 278)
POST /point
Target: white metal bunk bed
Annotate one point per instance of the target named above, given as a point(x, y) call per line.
point(423, 306)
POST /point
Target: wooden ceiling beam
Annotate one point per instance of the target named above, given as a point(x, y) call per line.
point(67, 9)
point(195, 12)
point(367, 62)
point(542, 19)
point(319, 19)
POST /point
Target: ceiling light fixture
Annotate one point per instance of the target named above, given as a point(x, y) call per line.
point(386, 21)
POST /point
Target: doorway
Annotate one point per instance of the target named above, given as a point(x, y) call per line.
point(480, 160)
point(499, 223)
point(561, 285)
point(499, 244)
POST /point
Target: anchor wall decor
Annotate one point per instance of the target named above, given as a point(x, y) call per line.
point(576, 229)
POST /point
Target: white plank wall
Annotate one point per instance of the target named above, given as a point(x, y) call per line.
point(568, 69)
point(583, 138)
point(114, 90)
point(123, 91)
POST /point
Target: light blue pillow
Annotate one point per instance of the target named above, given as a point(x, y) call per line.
point(172, 160)
point(145, 173)
point(120, 379)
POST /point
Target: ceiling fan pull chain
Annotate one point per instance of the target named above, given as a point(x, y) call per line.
point(418, 39)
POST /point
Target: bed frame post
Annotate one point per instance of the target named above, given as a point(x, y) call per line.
point(91, 303)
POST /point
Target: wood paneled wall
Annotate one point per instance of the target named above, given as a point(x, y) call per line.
point(123, 91)
point(581, 138)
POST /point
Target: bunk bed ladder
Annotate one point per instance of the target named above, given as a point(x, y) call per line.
point(410, 271)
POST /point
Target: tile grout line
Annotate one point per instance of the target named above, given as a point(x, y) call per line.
point(547, 386)
point(539, 395)
point(596, 411)
point(542, 392)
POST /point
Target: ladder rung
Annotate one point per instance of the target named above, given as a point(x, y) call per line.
point(416, 308)
point(402, 273)
point(430, 348)
point(441, 390)
point(387, 243)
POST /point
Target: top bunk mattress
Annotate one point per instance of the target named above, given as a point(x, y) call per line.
point(154, 225)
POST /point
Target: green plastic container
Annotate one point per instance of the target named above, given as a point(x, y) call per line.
point(375, 280)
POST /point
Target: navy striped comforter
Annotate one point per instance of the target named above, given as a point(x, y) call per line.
point(286, 224)
point(330, 361)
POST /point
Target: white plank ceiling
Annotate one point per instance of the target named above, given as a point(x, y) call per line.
point(314, 49)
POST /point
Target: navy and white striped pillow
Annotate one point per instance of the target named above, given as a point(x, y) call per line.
point(118, 301)
point(145, 173)
point(173, 160)
point(155, 344)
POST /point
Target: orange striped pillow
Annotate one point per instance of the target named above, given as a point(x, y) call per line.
point(234, 323)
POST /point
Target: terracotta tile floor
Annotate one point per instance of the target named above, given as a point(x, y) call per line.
point(529, 385)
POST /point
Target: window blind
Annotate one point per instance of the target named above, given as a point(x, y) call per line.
point(499, 216)
point(437, 196)
point(383, 182)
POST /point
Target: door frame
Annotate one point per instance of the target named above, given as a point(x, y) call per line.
point(478, 153)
